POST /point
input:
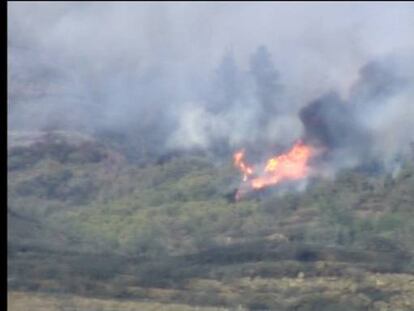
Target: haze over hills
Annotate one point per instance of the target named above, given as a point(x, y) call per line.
point(123, 124)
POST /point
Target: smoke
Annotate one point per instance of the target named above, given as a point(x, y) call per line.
point(374, 124)
point(217, 76)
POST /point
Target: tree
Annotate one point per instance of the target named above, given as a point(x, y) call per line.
point(265, 81)
point(226, 85)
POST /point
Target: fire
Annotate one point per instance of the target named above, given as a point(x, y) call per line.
point(292, 165)
point(241, 165)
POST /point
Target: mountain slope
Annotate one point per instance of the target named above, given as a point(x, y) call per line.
point(84, 220)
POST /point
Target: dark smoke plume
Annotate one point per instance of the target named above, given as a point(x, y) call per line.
point(352, 129)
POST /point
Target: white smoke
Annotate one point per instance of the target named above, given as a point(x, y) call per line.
point(119, 65)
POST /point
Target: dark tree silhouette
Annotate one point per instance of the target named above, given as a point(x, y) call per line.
point(266, 85)
point(226, 85)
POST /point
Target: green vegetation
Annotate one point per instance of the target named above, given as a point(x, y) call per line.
point(83, 220)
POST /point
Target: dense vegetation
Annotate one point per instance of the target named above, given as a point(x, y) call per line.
point(84, 220)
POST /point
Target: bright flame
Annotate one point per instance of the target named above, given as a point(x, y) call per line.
point(292, 165)
point(241, 165)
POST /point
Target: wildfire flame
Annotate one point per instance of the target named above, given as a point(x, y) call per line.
point(292, 165)
point(241, 165)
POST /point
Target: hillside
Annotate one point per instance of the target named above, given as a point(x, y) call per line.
point(85, 221)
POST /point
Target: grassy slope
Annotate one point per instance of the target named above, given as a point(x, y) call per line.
point(83, 220)
point(19, 301)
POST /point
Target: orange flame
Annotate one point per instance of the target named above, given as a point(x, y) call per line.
point(292, 165)
point(241, 165)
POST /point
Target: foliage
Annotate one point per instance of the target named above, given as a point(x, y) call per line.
point(81, 216)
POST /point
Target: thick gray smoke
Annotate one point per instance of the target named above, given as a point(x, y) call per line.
point(217, 76)
point(374, 124)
